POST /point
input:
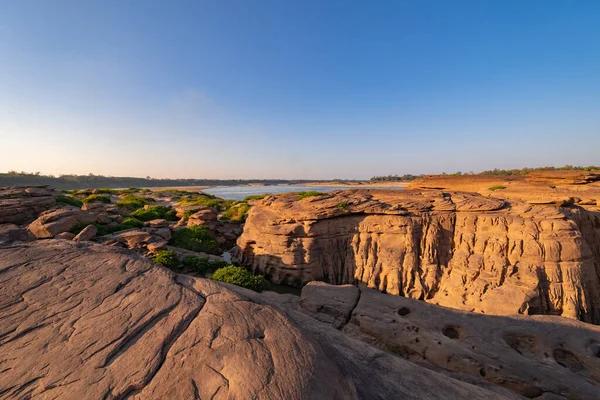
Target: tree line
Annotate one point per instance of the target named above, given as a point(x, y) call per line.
point(13, 178)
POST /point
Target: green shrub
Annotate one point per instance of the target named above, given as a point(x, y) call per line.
point(200, 265)
point(310, 193)
point(68, 200)
point(132, 222)
point(207, 200)
point(342, 205)
point(256, 197)
point(96, 198)
point(240, 277)
point(236, 213)
point(493, 188)
point(195, 264)
point(166, 258)
point(106, 191)
point(132, 202)
point(155, 212)
point(195, 238)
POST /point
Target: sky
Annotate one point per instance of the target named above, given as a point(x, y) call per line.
point(297, 89)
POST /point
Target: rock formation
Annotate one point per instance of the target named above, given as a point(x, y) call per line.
point(81, 320)
point(52, 222)
point(532, 356)
point(23, 205)
point(460, 250)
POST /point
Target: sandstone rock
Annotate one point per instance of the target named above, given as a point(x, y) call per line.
point(203, 216)
point(131, 239)
point(157, 223)
point(10, 233)
point(530, 355)
point(20, 205)
point(85, 321)
point(459, 250)
point(88, 233)
point(65, 236)
point(328, 303)
point(53, 222)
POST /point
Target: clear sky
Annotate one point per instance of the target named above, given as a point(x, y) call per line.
point(297, 89)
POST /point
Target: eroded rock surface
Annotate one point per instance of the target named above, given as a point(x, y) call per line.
point(81, 320)
point(455, 249)
point(20, 205)
point(532, 356)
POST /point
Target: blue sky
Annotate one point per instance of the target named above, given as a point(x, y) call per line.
point(297, 89)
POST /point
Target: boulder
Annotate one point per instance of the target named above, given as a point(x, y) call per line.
point(157, 223)
point(53, 222)
point(88, 233)
point(65, 236)
point(82, 320)
point(22, 205)
point(459, 250)
point(532, 356)
point(203, 216)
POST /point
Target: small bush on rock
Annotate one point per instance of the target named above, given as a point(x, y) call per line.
point(155, 212)
point(494, 188)
point(132, 202)
point(236, 213)
point(96, 198)
point(195, 238)
point(132, 223)
point(166, 258)
point(240, 277)
point(256, 197)
point(310, 193)
point(68, 201)
point(342, 205)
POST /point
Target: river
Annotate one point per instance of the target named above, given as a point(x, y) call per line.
point(240, 192)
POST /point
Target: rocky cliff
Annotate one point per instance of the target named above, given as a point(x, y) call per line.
point(460, 250)
point(86, 321)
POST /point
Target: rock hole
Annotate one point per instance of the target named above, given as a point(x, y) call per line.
point(451, 332)
point(404, 311)
point(417, 340)
point(525, 345)
point(482, 372)
point(567, 359)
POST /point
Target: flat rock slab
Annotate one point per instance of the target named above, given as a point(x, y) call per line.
point(87, 321)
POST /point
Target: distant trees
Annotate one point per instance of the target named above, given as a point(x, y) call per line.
point(496, 171)
point(394, 178)
point(14, 178)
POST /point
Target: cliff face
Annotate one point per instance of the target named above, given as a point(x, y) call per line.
point(459, 250)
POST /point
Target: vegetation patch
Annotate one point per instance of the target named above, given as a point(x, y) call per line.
point(195, 238)
point(256, 197)
point(155, 212)
point(498, 187)
point(65, 200)
point(236, 213)
point(342, 205)
point(240, 277)
point(96, 198)
point(207, 200)
point(201, 265)
point(131, 222)
point(309, 193)
point(132, 202)
point(166, 258)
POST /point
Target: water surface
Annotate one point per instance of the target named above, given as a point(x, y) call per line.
point(240, 192)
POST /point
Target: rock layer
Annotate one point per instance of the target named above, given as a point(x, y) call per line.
point(81, 320)
point(455, 249)
point(23, 205)
point(533, 356)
